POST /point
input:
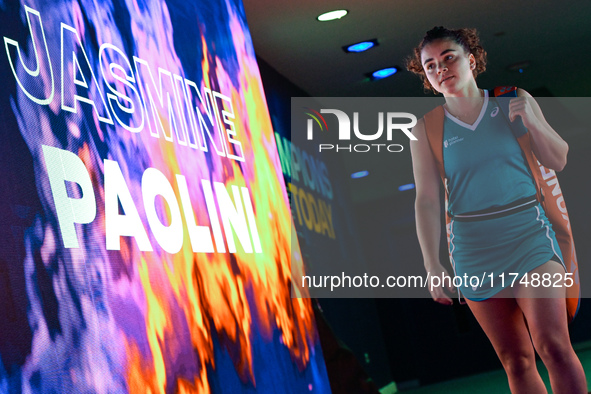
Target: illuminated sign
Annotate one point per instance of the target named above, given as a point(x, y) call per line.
point(150, 224)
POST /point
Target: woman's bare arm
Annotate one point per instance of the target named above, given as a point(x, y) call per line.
point(427, 206)
point(550, 149)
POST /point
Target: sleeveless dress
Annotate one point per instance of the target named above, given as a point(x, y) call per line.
point(486, 169)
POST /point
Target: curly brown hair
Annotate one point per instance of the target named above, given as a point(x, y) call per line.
point(466, 38)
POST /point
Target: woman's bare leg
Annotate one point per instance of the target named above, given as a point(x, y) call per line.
point(544, 308)
point(503, 322)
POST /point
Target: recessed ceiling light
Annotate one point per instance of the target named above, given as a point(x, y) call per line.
point(359, 174)
point(332, 15)
point(360, 46)
point(383, 73)
point(408, 186)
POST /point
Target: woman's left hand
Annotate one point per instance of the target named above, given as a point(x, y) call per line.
point(550, 149)
point(522, 106)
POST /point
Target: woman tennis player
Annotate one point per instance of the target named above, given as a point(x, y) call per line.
point(497, 225)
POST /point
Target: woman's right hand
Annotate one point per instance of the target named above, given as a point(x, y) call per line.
point(445, 286)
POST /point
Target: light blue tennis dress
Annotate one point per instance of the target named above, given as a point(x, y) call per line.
point(486, 171)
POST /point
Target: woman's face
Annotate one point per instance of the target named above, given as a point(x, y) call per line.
point(447, 66)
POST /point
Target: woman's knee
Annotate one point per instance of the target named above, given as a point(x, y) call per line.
point(517, 363)
point(553, 350)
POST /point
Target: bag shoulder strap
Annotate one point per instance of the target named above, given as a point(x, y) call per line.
point(434, 131)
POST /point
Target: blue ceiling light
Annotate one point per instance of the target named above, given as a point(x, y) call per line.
point(359, 174)
point(332, 15)
point(383, 73)
point(408, 186)
point(360, 46)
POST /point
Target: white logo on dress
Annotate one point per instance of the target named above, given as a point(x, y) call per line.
point(452, 140)
point(494, 112)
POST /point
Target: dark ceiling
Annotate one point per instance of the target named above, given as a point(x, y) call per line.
point(552, 36)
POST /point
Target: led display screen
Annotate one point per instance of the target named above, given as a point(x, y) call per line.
point(146, 231)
